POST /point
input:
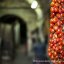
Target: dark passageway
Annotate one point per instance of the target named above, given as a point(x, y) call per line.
point(12, 20)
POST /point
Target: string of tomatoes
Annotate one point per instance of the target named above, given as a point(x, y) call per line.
point(56, 36)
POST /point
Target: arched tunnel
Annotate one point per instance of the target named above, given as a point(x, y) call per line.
point(14, 31)
point(12, 20)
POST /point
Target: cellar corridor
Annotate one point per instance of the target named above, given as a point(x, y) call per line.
point(14, 30)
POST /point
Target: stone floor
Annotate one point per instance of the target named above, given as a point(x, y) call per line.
point(21, 58)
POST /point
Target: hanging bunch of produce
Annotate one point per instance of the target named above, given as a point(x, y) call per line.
point(56, 36)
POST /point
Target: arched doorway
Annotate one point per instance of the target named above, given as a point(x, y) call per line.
point(13, 20)
point(15, 30)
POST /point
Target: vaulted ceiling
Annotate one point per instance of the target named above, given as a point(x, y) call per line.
point(23, 8)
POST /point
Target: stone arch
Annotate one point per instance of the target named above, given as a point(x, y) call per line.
point(10, 19)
